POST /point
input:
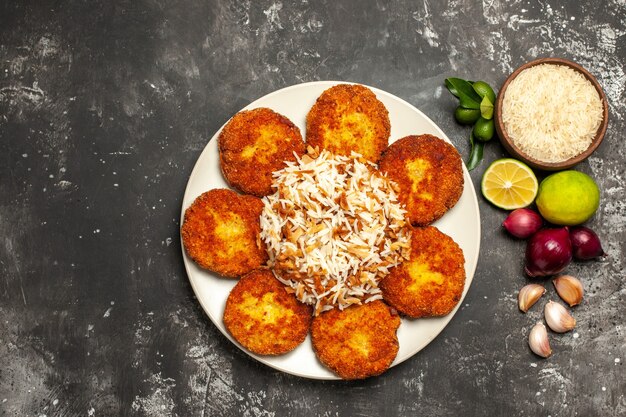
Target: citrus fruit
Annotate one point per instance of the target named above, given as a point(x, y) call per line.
point(509, 184)
point(483, 129)
point(568, 198)
point(483, 89)
point(466, 116)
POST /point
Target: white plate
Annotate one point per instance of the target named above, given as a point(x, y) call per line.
point(462, 223)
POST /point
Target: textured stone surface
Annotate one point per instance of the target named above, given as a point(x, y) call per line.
point(104, 108)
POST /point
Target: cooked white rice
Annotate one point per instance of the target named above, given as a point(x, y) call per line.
point(333, 229)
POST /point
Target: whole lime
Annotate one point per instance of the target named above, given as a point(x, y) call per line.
point(466, 116)
point(568, 198)
point(483, 89)
point(483, 129)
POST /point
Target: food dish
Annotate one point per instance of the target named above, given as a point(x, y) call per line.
point(510, 146)
point(462, 223)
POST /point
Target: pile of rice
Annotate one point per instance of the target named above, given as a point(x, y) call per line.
point(333, 229)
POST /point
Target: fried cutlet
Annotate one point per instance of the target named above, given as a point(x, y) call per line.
point(357, 342)
point(348, 118)
point(428, 171)
point(431, 282)
point(263, 317)
point(254, 144)
point(221, 232)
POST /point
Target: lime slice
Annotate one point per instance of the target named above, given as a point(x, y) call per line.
point(509, 184)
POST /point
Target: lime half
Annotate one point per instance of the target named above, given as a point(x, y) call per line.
point(509, 184)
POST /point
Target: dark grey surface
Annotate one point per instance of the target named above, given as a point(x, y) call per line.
point(104, 108)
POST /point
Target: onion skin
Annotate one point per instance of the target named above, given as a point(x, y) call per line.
point(548, 252)
point(585, 243)
point(523, 223)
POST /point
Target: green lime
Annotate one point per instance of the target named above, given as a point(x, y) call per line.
point(483, 129)
point(483, 89)
point(466, 116)
point(568, 198)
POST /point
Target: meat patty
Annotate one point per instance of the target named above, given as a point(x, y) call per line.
point(263, 317)
point(348, 118)
point(428, 171)
point(357, 342)
point(221, 232)
point(431, 282)
point(254, 144)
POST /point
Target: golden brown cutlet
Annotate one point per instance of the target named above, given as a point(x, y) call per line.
point(431, 282)
point(221, 232)
point(348, 118)
point(357, 342)
point(254, 144)
point(263, 317)
point(428, 171)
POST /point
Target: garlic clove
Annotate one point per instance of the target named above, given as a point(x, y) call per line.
point(558, 318)
point(529, 295)
point(569, 289)
point(538, 340)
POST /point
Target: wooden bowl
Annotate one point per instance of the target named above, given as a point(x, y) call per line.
point(535, 163)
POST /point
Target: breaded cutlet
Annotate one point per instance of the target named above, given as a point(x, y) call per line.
point(428, 171)
point(255, 143)
point(221, 232)
point(263, 317)
point(431, 282)
point(357, 342)
point(346, 118)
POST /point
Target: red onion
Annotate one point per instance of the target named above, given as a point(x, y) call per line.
point(523, 223)
point(585, 243)
point(548, 252)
